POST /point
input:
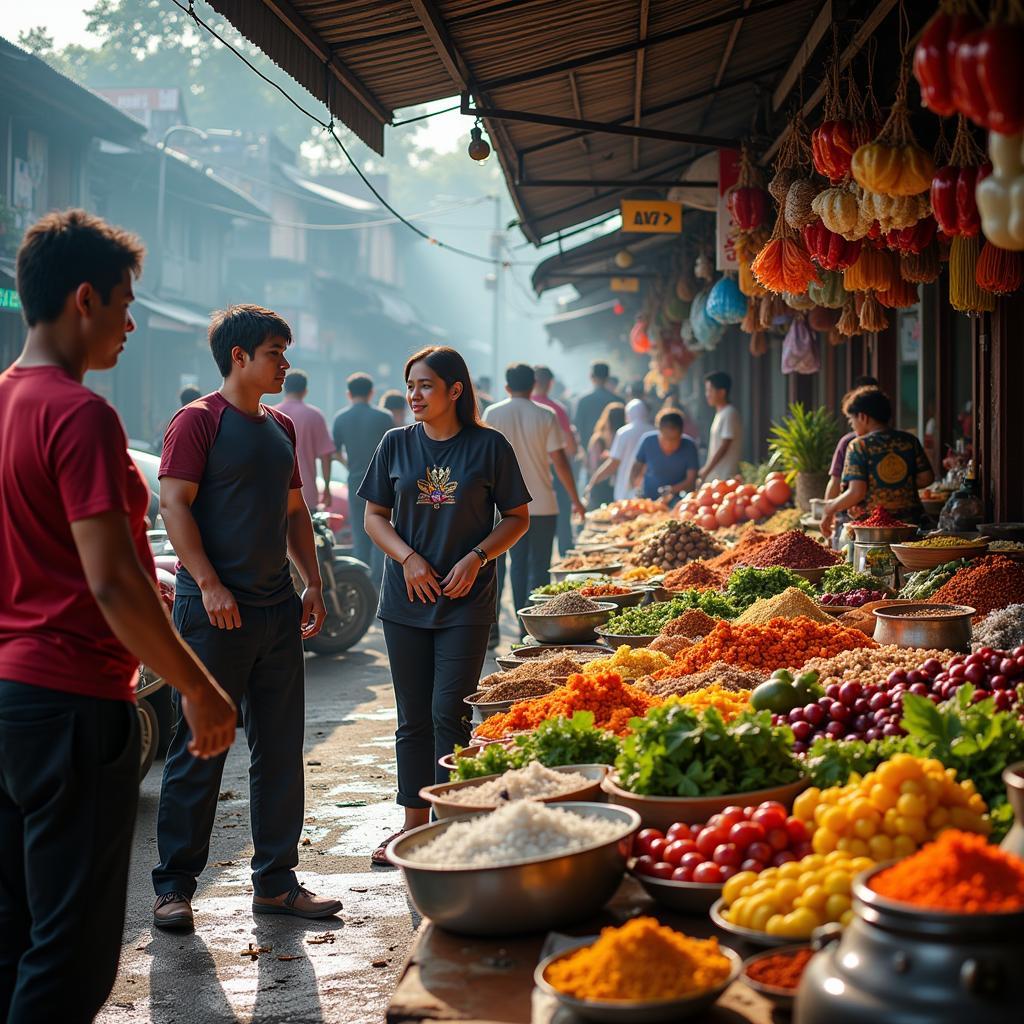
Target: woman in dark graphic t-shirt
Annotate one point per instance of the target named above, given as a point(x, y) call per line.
point(432, 491)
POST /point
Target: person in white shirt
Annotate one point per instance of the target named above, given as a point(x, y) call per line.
point(620, 456)
point(538, 441)
point(725, 445)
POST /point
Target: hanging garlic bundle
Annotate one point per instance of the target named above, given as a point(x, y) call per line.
point(871, 316)
point(923, 267)
point(783, 265)
point(965, 294)
point(894, 213)
point(999, 271)
point(792, 160)
point(848, 324)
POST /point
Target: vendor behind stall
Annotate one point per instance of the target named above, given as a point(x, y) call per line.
point(884, 467)
point(666, 460)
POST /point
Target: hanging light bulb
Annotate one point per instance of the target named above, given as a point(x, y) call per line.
point(623, 259)
point(479, 149)
point(618, 309)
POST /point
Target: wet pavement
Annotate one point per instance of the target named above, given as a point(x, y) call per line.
point(263, 970)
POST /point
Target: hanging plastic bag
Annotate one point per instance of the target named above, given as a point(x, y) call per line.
point(800, 348)
point(726, 303)
point(707, 332)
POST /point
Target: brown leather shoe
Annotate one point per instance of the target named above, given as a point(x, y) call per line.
point(173, 912)
point(298, 902)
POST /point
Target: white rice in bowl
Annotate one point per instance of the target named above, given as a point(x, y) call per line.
point(516, 832)
point(533, 782)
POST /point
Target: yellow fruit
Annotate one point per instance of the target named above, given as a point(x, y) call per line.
point(882, 797)
point(837, 883)
point(775, 925)
point(835, 906)
point(859, 864)
point(880, 847)
point(865, 828)
point(824, 841)
point(786, 891)
point(903, 846)
point(791, 870)
point(806, 803)
point(912, 804)
point(758, 919)
point(911, 786)
point(891, 822)
point(799, 923)
point(835, 820)
point(938, 818)
point(813, 897)
point(734, 886)
point(739, 911)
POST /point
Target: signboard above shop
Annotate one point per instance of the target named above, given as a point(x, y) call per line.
point(652, 217)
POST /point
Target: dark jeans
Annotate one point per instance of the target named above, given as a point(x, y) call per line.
point(69, 785)
point(260, 666)
point(564, 530)
point(432, 671)
point(362, 547)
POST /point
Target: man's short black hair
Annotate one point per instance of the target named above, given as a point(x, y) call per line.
point(246, 327)
point(188, 395)
point(543, 374)
point(65, 249)
point(392, 400)
point(296, 382)
point(360, 385)
point(520, 377)
point(599, 371)
point(671, 418)
point(721, 380)
point(873, 402)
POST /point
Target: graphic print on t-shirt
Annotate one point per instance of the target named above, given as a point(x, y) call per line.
point(438, 489)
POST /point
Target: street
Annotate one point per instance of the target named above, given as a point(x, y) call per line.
point(340, 970)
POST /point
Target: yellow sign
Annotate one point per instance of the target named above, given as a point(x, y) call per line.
point(652, 216)
point(625, 284)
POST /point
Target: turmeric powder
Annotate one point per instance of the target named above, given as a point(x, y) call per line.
point(642, 961)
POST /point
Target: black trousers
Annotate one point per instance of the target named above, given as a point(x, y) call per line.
point(261, 668)
point(433, 670)
point(69, 786)
point(564, 531)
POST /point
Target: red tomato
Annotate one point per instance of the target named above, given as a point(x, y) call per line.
point(761, 851)
point(674, 851)
point(691, 860)
point(770, 816)
point(682, 875)
point(783, 857)
point(680, 830)
point(777, 492)
point(643, 839)
point(744, 833)
point(707, 872)
point(752, 865)
point(753, 513)
point(797, 830)
point(656, 848)
point(708, 521)
point(711, 837)
point(728, 870)
point(726, 853)
point(778, 839)
point(731, 484)
point(731, 815)
point(662, 869)
point(775, 476)
point(746, 491)
point(642, 865)
point(725, 516)
point(705, 500)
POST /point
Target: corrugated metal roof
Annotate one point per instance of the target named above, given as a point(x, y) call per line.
point(367, 58)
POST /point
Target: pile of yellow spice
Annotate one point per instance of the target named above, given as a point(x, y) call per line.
point(629, 662)
point(642, 961)
point(729, 703)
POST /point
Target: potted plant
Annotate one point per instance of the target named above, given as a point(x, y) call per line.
point(802, 445)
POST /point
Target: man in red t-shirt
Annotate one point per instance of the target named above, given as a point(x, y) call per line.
point(79, 610)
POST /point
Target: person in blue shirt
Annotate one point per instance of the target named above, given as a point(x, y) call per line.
point(665, 459)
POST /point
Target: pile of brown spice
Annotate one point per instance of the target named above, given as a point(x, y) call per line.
point(793, 550)
point(514, 689)
point(569, 603)
point(790, 604)
point(698, 575)
point(728, 677)
point(692, 623)
point(741, 552)
point(870, 666)
point(988, 583)
point(555, 666)
point(670, 645)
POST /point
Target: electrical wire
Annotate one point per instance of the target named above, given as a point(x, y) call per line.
point(329, 129)
point(423, 117)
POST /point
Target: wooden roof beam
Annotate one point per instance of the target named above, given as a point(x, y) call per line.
point(313, 41)
point(638, 82)
point(829, 12)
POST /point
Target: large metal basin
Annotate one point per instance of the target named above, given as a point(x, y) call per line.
point(529, 896)
point(947, 628)
point(564, 629)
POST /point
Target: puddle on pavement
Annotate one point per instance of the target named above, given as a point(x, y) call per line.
point(364, 828)
point(379, 715)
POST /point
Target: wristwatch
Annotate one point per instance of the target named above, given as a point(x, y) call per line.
point(481, 554)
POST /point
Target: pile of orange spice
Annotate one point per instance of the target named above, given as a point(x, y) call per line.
point(612, 701)
point(960, 872)
point(780, 970)
point(778, 643)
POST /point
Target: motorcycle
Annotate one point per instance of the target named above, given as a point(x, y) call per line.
point(152, 706)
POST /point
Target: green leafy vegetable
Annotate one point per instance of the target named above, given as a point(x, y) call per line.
point(558, 741)
point(842, 578)
point(673, 751)
point(920, 585)
point(647, 620)
point(747, 585)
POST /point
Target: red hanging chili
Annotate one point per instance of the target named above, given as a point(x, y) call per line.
point(1000, 74)
point(933, 58)
point(828, 249)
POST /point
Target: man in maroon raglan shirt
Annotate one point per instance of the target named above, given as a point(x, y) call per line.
point(79, 609)
point(231, 499)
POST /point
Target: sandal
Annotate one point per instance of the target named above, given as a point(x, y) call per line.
point(379, 857)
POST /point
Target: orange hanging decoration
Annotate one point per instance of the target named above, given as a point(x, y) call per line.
point(923, 267)
point(784, 265)
point(999, 270)
point(874, 269)
point(870, 315)
point(901, 295)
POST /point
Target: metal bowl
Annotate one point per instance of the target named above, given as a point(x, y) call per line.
point(629, 1012)
point(448, 761)
point(612, 569)
point(783, 998)
point(522, 655)
point(684, 897)
point(561, 629)
point(814, 575)
point(444, 807)
point(482, 710)
point(528, 896)
point(881, 534)
point(755, 938)
point(938, 631)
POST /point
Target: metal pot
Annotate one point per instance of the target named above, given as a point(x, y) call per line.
point(896, 624)
point(1013, 779)
point(898, 964)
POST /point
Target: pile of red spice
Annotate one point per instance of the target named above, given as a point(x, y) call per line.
point(960, 872)
point(988, 583)
point(780, 970)
point(793, 550)
point(881, 519)
point(698, 575)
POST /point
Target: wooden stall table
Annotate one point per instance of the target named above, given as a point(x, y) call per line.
point(452, 977)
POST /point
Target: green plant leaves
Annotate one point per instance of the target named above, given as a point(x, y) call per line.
point(804, 441)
